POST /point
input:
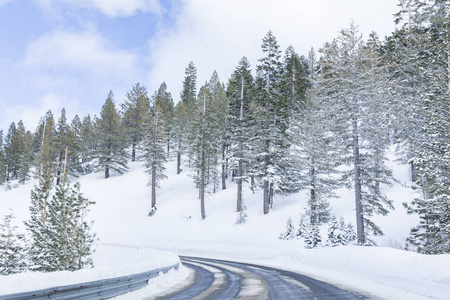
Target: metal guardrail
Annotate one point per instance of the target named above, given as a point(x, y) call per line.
point(100, 289)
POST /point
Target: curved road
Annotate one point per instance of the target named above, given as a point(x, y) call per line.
point(218, 279)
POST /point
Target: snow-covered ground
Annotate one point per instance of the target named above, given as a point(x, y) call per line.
point(129, 240)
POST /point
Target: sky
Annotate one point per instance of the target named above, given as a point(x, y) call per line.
point(69, 54)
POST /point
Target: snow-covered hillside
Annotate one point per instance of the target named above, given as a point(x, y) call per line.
point(128, 237)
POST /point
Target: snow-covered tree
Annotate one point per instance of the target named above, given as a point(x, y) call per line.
point(312, 236)
point(422, 72)
point(339, 233)
point(110, 151)
point(274, 122)
point(155, 143)
point(289, 233)
point(355, 85)
point(39, 211)
point(12, 249)
point(240, 120)
point(135, 115)
point(68, 240)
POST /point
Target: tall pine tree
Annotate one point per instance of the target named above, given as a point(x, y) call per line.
point(110, 151)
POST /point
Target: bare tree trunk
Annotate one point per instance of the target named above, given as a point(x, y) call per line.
point(266, 193)
point(224, 171)
point(313, 207)
point(133, 152)
point(203, 164)
point(239, 205)
point(179, 149)
point(357, 184)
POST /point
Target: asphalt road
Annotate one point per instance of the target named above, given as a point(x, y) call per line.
point(218, 279)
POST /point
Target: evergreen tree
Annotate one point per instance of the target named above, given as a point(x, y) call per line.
point(313, 152)
point(44, 141)
point(289, 233)
point(11, 153)
point(189, 92)
point(355, 85)
point(68, 239)
point(240, 92)
point(421, 47)
point(164, 101)
point(38, 222)
point(294, 80)
point(66, 138)
point(204, 147)
point(26, 158)
point(274, 122)
point(339, 234)
point(110, 152)
point(220, 101)
point(12, 253)
point(312, 236)
point(302, 230)
point(181, 118)
point(135, 115)
point(155, 142)
point(87, 142)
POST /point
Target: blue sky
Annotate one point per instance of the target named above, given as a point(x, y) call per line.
point(70, 53)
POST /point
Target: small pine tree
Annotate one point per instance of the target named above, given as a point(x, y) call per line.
point(68, 239)
point(339, 233)
point(301, 228)
point(333, 233)
point(37, 224)
point(312, 236)
point(11, 248)
point(289, 233)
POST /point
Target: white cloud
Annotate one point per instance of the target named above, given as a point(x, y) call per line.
point(85, 61)
point(30, 114)
point(216, 34)
point(3, 2)
point(75, 70)
point(111, 8)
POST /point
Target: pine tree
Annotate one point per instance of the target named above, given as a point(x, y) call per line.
point(181, 118)
point(294, 80)
point(110, 152)
point(204, 145)
point(25, 159)
point(154, 143)
point(38, 222)
point(12, 251)
point(339, 233)
point(87, 142)
point(421, 47)
point(220, 101)
point(289, 233)
point(312, 236)
point(355, 85)
point(313, 152)
point(135, 115)
point(164, 100)
point(240, 93)
point(68, 238)
point(274, 122)
point(62, 142)
point(44, 141)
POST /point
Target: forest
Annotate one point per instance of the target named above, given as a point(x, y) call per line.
point(314, 123)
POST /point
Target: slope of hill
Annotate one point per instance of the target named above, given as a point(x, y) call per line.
point(128, 237)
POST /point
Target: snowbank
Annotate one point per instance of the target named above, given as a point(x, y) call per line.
point(110, 260)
